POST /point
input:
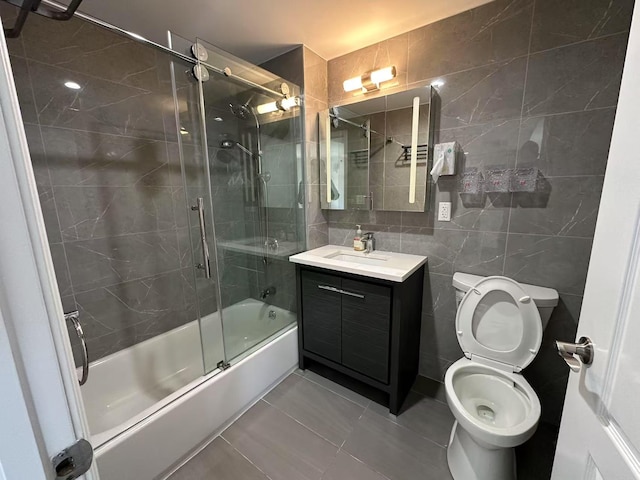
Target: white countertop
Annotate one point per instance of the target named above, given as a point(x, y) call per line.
point(395, 267)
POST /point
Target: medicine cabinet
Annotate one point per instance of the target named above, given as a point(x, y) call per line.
point(376, 154)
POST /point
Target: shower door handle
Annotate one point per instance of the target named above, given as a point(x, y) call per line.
point(73, 318)
point(205, 265)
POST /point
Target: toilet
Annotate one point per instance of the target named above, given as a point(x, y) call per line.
point(499, 325)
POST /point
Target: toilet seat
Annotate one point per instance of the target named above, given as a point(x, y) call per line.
point(498, 324)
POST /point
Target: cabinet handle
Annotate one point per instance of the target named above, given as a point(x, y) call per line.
point(339, 290)
point(351, 294)
point(329, 288)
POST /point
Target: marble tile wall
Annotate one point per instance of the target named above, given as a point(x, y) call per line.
point(526, 83)
point(108, 172)
point(306, 68)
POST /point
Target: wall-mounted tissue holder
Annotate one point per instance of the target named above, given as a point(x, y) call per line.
point(500, 180)
point(444, 159)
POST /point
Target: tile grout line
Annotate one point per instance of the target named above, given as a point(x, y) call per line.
point(243, 455)
point(299, 422)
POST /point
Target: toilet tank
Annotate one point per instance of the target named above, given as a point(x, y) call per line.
point(545, 298)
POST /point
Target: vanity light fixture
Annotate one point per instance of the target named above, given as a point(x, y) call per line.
point(283, 105)
point(370, 80)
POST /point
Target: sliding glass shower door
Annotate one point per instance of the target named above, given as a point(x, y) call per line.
point(254, 149)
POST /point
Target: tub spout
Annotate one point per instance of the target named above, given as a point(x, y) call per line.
point(267, 292)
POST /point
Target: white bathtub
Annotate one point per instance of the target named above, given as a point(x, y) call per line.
point(150, 401)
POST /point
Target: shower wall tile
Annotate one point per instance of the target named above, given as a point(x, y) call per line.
point(289, 66)
point(560, 23)
point(470, 39)
point(81, 47)
point(577, 77)
point(9, 13)
point(107, 261)
point(95, 212)
point(99, 106)
point(110, 186)
point(60, 264)
point(50, 214)
point(38, 158)
point(24, 89)
point(93, 159)
point(315, 75)
point(153, 302)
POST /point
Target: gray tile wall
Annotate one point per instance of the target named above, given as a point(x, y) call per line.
point(305, 67)
point(513, 71)
point(108, 173)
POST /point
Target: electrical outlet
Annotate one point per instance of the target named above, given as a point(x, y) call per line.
point(444, 212)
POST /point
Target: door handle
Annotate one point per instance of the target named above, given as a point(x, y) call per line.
point(205, 265)
point(576, 354)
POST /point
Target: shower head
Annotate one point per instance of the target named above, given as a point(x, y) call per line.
point(242, 111)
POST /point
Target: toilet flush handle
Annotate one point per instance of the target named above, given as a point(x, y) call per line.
point(576, 354)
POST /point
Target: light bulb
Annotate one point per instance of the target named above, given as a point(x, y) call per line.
point(72, 85)
point(352, 84)
point(383, 75)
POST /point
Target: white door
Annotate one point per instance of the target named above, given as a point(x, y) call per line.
point(600, 430)
point(41, 410)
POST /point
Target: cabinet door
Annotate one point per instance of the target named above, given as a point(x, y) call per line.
point(366, 324)
point(321, 328)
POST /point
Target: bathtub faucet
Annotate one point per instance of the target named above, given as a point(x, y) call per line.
point(267, 292)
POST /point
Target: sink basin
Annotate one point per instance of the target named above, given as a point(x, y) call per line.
point(391, 266)
point(364, 260)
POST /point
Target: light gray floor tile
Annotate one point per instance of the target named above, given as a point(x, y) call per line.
point(335, 388)
point(395, 451)
point(278, 445)
point(348, 468)
point(425, 416)
point(326, 413)
point(221, 461)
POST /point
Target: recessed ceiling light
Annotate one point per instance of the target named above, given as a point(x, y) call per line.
point(218, 119)
point(72, 85)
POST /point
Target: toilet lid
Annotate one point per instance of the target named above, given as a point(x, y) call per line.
point(499, 322)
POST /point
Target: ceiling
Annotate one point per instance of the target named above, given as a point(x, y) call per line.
point(258, 30)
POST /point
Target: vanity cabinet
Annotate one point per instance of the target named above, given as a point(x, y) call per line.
point(366, 328)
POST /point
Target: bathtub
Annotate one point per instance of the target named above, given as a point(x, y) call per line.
point(149, 406)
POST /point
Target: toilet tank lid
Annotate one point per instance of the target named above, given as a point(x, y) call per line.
point(543, 296)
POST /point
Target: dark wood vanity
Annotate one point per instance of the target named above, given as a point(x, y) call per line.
point(362, 327)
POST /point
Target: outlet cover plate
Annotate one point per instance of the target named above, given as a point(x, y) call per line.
point(444, 212)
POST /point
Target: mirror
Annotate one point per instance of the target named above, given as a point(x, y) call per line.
point(376, 154)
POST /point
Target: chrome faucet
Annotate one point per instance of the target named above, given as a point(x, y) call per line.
point(369, 242)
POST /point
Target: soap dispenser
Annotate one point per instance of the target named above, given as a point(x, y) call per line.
point(358, 245)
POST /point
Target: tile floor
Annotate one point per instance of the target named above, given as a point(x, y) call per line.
point(309, 427)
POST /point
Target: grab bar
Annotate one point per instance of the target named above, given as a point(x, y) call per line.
point(74, 318)
point(340, 291)
point(199, 207)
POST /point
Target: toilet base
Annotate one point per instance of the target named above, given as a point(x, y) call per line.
point(469, 460)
